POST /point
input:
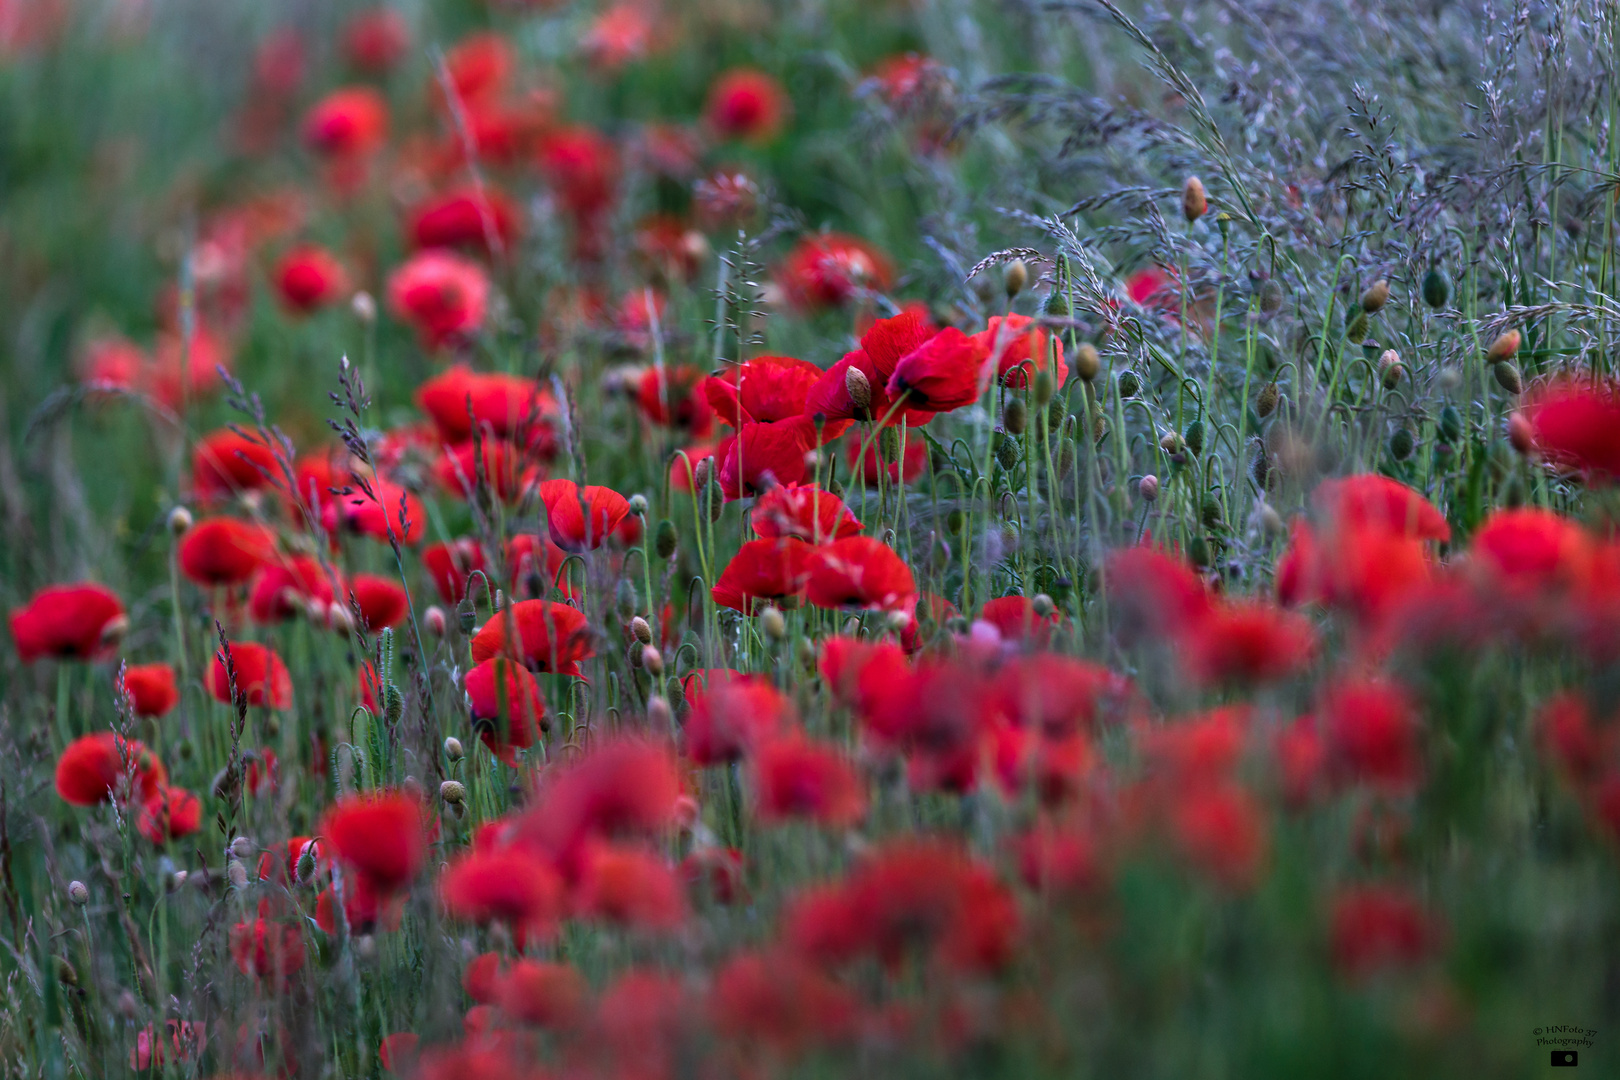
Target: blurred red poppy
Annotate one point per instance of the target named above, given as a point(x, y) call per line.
point(1575, 423)
point(381, 835)
point(767, 571)
point(550, 637)
point(729, 719)
point(226, 463)
point(224, 551)
point(451, 564)
point(746, 104)
point(151, 689)
point(260, 676)
point(510, 885)
point(443, 296)
point(580, 519)
point(375, 39)
point(348, 123)
point(803, 511)
point(92, 769)
point(170, 814)
point(858, 572)
point(481, 217)
point(382, 600)
point(827, 269)
point(507, 710)
point(948, 371)
point(68, 622)
point(308, 278)
point(795, 777)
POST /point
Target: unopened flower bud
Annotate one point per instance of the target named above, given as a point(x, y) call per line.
point(1355, 330)
point(339, 617)
point(1271, 296)
point(640, 630)
point(1503, 347)
point(237, 874)
point(1436, 288)
point(1270, 520)
point(897, 621)
point(1194, 201)
point(1015, 277)
point(393, 704)
point(664, 538)
point(702, 472)
point(365, 308)
point(859, 388)
point(638, 505)
point(1130, 384)
point(304, 869)
point(179, 520)
point(1149, 487)
point(243, 848)
point(1266, 403)
point(452, 792)
point(1015, 418)
point(435, 620)
point(78, 893)
point(452, 749)
point(1507, 377)
point(1044, 387)
point(659, 714)
point(365, 947)
point(1390, 369)
point(1087, 364)
point(1376, 296)
point(852, 626)
point(1042, 605)
point(1520, 435)
point(652, 660)
point(773, 623)
point(466, 614)
point(1057, 304)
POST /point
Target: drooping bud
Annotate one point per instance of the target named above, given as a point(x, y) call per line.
point(1149, 488)
point(179, 520)
point(897, 621)
point(452, 749)
point(1520, 435)
point(1015, 418)
point(78, 893)
point(1270, 520)
point(1390, 369)
point(1401, 443)
point(1271, 296)
point(653, 661)
point(1057, 304)
point(393, 704)
point(1194, 437)
point(243, 848)
point(660, 717)
point(638, 505)
point(1506, 344)
point(1436, 288)
point(1006, 451)
point(339, 617)
point(702, 473)
point(304, 869)
point(774, 623)
point(641, 631)
point(435, 620)
point(1042, 605)
point(1044, 387)
point(236, 873)
point(1209, 511)
point(1087, 364)
point(1266, 403)
point(1507, 377)
point(365, 308)
point(1376, 296)
point(466, 614)
point(1015, 277)
point(1450, 424)
point(859, 388)
point(1130, 384)
point(452, 792)
point(625, 600)
point(1355, 330)
point(1194, 200)
point(664, 538)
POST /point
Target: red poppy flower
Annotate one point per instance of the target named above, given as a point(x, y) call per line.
point(671, 396)
point(579, 518)
point(1368, 571)
point(267, 950)
point(505, 470)
point(550, 637)
point(581, 166)
point(382, 600)
point(764, 454)
point(260, 676)
point(308, 278)
point(683, 465)
point(227, 463)
point(780, 1003)
point(871, 466)
point(532, 563)
point(1575, 422)
point(1015, 619)
point(378, 514)
point(1055, 769)
point(451, 564)
point(224, 551)
point(151, 689)
point(1567, 734)
point(374, 40)
point(1249, 643)
point(887, 341)
point(112, 364)
point(92, 769)
point(859, 572)
point(625, 787)
point(511, 406)
point(831, 398)
point(803, 511)
point(1373, 927)
point(381, 835)
point(730, 718)
point(443, 296)
point(288, 587)
point(69, 622)
point(1020, 349)
point(543, 994)
point(765, 389)
point(631, 887)
point(170, 814)
point(1221, 830)
point(943, 373)
point(184, 372)
point(347, 123)
point(746, 104)
point(1301, 757)
point(479, 66)
point(763, 572)
point(1058, 695)
point(827, 269)
point(1536, 549)
point(797, 778)
point(511, 885)
point(180, 1041)
point(621, 33)
point(508, 713)
point(482, 218)
point(1369, 501)
point(1372, 731)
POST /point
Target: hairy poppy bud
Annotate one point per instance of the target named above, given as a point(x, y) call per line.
point(1194, 201)
point(1390, 369)
point(773, 623)
point(1015, 277)
point(452, 749)
point(624, 598)
point(242, 847)
point(179, 520)
point(659, 714)
point(859, 388)
point(1198, 551)
point(1355, 330)
point(1402, 443)
point(435, 620)
point(1015, 418)
point(1271, 296)
point(1044, 387)
point(304, 869)
point(1130, 384)
point(452, 792)
point(1149, 487)
point(236, 873)
point(1087, 364)
point(1266, 403)
point(393, 704)
point(1503, 347)
point(1270, 520)
point(955, 522)
point(1171, 443)
point(1376, 296)
point(638, 505)
point(889, 444)
point(1210, 512)
point(1042, 605)
point(1450, 424)
point(640, 630)
point(1194, 437)
point(664, 538)
point(702, 473)
point(78, 893)
point(1507, 377)
point(466, 614)
point(1057, 304)
point(365, 307)
point(1006, 450)
point(1436, 288)
point(653, 661)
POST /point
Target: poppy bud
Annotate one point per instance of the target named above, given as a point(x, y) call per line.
point(1015, 277)
point(624, 598)
point(78, 893)
point(638, 505)
point(955, 522)
point(1194, 202)
point(1355, 330)
point(1270, 520)
point(452, 749)
point(236, 873)
point(1198, 552)
point(1376, 296)
point(1503, 347)
point(1044, 387)
point(716, 500)
point(804, 651)
point(365, 947)
point(1266, 403)
point(178, 881)
point(435, 620)
point(1520, 436)
point(1507, 377)
point(1401, 444)
point(452, 792)
point(365, 308)
point(1391, 369)
point(466, 614)
point(897, 621)
point(1450, 424)
point(1057, 304)
point(1171, 443)
point(1006, 451)
point(1149, 487)
point(659, 715)
point(1271, 296)
point(653, 661)
point(242, 848)
point(852, 626)
point(859, 388)
point(393, 704)
point(1087, 364)
point(1450, 378)
point(1210, 512)
point(1194, 437)
point(640, 630)
point(702, 472)
point(1130, 384)
point(889, 444)
point(1015, 418)
point(179, 520)
point(1436, 288)
point(1065, 459)
point(304, 870)
point(773, 623)
point(1042, 605)
point(339, 617)
point(836, 487)
point(664, 538)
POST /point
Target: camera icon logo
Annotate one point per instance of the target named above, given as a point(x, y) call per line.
point(1565, 1057)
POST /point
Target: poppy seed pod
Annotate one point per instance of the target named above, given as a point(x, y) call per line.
point(1015, 277)
point(1436, 288)
point(1194, 201)
point(1376, 296)
point(452, 749)
point(1503, 347)
point(859, 388)
point(78, 893)
point(1087, 364)
point(452, 792)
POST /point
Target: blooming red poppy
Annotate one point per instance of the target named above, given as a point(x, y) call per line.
point(948, 371)
point(364, 908)
point(621, 33)
point(508, 713)
point(871, 466)
point(1249, 643)
point(1370, 501)
point(68, 622)
point(731, 717)
point(532, 563)
point(762, 455)
point(1058, 695)
point(1566, 732)
point(550, 637)
point(286, 587)
point(151, 689)
point(581, 166)
point(1015, 619)
point(382, 600)
point(834, 395)
point(227, 462)
point(113, 364)
point(451, 564)
point(779, 1002)
point(767, 571)
point(803, 511)
point(474, 217)
point(1535, 549)
point(765, 389)
point(443, 296)
point(92, 769)
point(184, 371)
point(381, 835)
point(543, 994)
point(859, 572)
point(630, 886)
point(671, 395)
point(795, 777)
point(1367, 571)
point(308, 278)
point(510, 885)
point(1372, 732)
point(267, 950)
point(261, 677)
point(375, 39)
point(1020, 348)
point(224, 551)
point(746, 104)
point(624, 787)
point(1374, 927)
point(828, 269)
point(1301, 757)
point(479, 66)
point(348, 123)
point(1575, 423)
point(170, 814)
point(378, 514)
point(1060, 861)
point(1220, 829)
point(580, 519)
point(503, 468)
